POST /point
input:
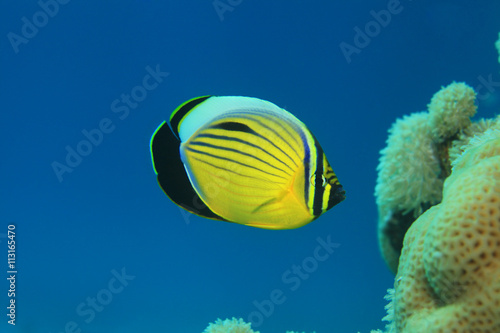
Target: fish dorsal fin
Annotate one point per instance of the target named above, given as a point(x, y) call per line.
point(197, 112)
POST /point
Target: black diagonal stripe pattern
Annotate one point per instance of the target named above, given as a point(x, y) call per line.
point(217, 147)
point(272, 130)
point(232, 161)
point(245, 142)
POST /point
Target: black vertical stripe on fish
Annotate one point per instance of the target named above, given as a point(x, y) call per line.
point(307, 171)
point(318, 181)
point(183, 110)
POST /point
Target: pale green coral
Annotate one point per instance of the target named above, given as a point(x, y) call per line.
point(448, 277)
point(408, 172)
point(439, 286)
point(484, 138)
point(415, 163)
point(450, 110)
point(475, 129)
point(449, 273)
point(408, 179)
point(233, 325)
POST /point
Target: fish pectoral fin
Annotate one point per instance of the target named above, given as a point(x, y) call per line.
point(266, 203)
point(282, 196)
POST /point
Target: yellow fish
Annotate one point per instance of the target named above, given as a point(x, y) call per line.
point(243, 160)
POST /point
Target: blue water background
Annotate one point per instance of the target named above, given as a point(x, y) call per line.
point(109, 214)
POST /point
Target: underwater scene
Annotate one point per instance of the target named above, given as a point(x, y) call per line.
point(236, 166)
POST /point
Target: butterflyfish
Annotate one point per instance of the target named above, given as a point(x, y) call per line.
point(243, 160)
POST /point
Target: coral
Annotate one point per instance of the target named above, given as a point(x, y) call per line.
point(229, 326)
point(449, 273)
point(390, 314)
point(450, 110)
point(408, 181)
point(415, 163)
point(408, 143)
point(497, 45)
point(472, 154)
point(233, 326)
point(476, 129)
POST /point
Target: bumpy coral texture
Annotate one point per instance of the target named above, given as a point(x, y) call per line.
point(408, 170)
point(233, 326)
point(229, 326)
point(470, 134)
point(415, 162)
point(449, 274)
point(408, 179)
point(450, 110)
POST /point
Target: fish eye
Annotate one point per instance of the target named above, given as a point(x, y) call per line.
point(313, 180)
